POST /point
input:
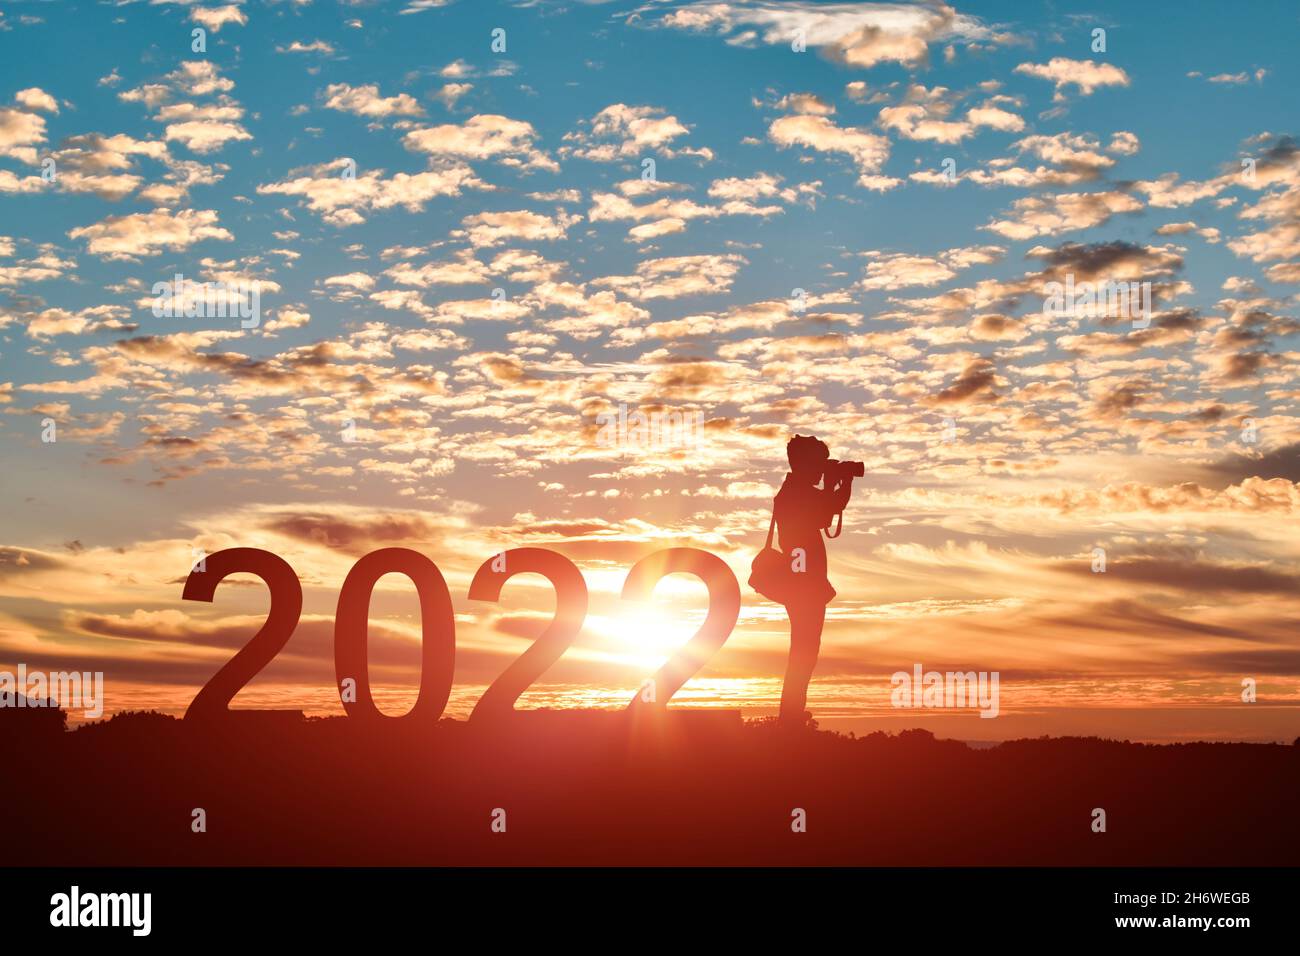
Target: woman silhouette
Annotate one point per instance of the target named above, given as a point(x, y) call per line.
point(802, 510)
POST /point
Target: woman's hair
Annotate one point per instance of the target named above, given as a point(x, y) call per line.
point(805, 451)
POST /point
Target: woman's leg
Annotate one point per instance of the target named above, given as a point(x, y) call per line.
point(805, 641)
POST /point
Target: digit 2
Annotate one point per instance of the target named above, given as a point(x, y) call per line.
point(570, 611)
point(286, 607)
point(724, 611)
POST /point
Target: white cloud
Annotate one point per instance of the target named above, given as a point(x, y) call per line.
point(1062, 212)
point(494, 228)
point(856, 34)
point(214, 18)
point(20, 133)
point(868, 151)
point(891, 271)
point(150, 233)
point(1085, 75)
point(620, 131)
point(315, 46)
point(484, 136)
point(366, 101)
point(678, 276)
point(34, 98)
point(345, 201)
point(201, 127)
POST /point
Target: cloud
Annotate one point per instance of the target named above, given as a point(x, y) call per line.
point(1209, 234)
point(495, 228)
point(620, 131)
point(20, 132)
point(346, 200)
point(669, 214)
point(805, 103)
point(202, 127)
point(197, 78)
point(867, 151)
point(678, 276)
point(45, 266)
point(150, 233)
point(34, 98)
point(353, 280)
point(900, 270)
point(366, 101)
point(974, 385)
point(484, 136)
point(583, 315)
point(450, 93)
point(757, 316)
point(1279, 207)
point(10, 183)
point(1062, 212)
point(925, 115)
point(857, 35)
point(51, 322)
point(1085, 75)
point(420, 6)
point(749, 189)
point(464, 269)
point(105, 165)
point(1117, 260)
point(214, 18)
point(1232, 79)
point(1080, 152)
point(354, 531)
point(315, 46)
point(1073, 158)
point(285, 317)
point(1167, 192)
point(1250, 495)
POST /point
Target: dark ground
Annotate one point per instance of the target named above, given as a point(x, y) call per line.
point(681, 790)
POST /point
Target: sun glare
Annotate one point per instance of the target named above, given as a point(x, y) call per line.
point(644, 635)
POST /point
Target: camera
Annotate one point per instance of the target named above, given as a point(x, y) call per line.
point(834, 472)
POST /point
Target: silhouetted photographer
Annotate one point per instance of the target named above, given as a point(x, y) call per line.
point(811, 499)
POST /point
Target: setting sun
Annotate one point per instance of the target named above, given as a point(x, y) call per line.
point(645, 635)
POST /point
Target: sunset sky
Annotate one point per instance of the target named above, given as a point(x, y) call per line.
point(462, 263)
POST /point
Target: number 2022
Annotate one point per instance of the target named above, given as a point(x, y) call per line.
point(438, 626)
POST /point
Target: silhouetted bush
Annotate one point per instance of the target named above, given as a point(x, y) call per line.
point(33, 722)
